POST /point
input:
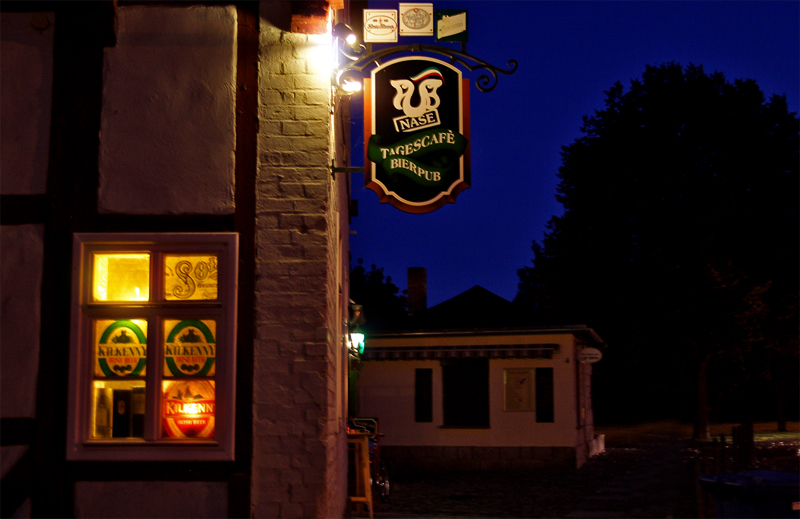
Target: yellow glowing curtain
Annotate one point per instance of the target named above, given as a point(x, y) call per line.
point(121, 277)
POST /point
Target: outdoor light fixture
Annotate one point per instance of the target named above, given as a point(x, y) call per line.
point(350, 86)
point(344, 32)
point(356, 339)
point(347, 42)
point(346, 45)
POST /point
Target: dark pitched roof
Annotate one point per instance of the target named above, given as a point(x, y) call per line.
point(477, 308)
point(478, 311)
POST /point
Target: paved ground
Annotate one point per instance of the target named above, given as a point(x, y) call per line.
point(653, 476)
point(654, 479)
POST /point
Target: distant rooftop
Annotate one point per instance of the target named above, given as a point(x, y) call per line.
point(477, 311)
point(475, 308)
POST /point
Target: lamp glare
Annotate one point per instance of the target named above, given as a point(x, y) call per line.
point(357, 342)
point(351, 86)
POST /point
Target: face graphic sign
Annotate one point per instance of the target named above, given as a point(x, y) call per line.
point(416, 123)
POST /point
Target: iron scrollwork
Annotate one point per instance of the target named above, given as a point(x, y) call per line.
point(485, 82)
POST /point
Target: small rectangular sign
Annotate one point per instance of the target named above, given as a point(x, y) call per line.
point(451, 25)
point(416, 19)
point(380, 25)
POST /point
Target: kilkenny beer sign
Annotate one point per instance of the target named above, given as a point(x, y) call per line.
point(417, 129)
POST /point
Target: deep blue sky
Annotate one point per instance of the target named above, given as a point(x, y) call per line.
point(569, 53)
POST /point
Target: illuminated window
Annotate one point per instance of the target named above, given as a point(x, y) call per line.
point(190, 277)
point(121, 277)
point(153, 347)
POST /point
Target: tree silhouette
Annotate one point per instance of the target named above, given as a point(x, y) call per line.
point(678, 242)
point(384, 306)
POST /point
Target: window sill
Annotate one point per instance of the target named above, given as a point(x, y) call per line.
point(120, 451)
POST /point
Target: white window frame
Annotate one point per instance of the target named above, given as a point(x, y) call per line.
point(80, 444)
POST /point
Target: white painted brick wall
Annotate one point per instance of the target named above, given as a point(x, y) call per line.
point(299, 464)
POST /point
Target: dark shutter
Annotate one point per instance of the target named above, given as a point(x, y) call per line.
point(544, 395)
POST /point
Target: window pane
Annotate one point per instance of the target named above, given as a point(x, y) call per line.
point(120, 347)
point(189, 277)
point(118, 409)
point(190, 348)
point(188, 408)
point(121, 277)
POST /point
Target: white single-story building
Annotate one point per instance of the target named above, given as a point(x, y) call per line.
point(466, 387)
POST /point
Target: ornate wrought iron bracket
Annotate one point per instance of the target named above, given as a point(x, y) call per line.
point(363, 57)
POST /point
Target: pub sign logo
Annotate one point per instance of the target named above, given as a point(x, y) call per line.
point(417, 125)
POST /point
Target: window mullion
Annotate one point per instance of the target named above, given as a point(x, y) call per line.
point(154, 366)
point(153, 380)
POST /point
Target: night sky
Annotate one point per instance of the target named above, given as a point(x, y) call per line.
point(569, 54)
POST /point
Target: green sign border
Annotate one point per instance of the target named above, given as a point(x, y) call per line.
point(104, 339)
point(210, 339)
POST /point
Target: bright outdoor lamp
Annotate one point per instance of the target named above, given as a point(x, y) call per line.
point(347, 42)
point(351, 86)
point(346, 45)
point(344, 32)
point(356, 338)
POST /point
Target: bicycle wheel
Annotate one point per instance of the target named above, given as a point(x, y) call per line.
point(383, 483)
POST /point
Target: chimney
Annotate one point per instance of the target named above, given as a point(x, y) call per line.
point(417, 289)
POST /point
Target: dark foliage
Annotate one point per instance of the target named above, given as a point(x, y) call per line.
point(679, 245)
point(384, 306)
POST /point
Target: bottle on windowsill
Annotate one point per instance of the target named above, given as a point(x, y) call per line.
point(102, 417)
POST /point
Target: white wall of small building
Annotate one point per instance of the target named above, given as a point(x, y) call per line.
point(387, 392)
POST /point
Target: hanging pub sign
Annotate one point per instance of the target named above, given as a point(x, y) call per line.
point(416, 122)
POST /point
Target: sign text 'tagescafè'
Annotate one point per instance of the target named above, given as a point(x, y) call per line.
point(417, 125)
